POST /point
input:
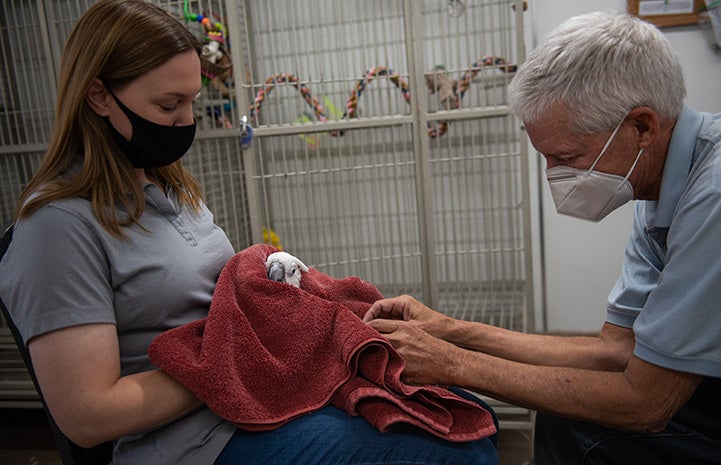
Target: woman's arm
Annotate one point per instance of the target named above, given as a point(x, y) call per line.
point(78, 369)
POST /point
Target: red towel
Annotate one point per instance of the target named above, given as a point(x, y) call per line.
point(269, 352)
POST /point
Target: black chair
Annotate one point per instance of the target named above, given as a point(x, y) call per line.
point(70, 453)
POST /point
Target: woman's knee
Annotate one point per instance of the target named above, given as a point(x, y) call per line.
point(332, 436)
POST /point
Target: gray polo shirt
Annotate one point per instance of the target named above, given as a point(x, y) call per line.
point(63, 269)
point(669, 288)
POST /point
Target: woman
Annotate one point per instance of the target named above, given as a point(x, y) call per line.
point(113, 245)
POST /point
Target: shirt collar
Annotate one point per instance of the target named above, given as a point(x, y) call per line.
point(678, 164)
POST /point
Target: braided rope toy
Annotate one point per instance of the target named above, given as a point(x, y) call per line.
point(485, 62)
point(351, 108)
point(286, 78)
point(372, 73)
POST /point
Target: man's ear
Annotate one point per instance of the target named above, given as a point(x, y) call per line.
point(98, 98)
point(646, 123)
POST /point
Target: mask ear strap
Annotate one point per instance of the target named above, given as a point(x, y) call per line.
point(117, 100)
point(608, 142)
point(634, 164)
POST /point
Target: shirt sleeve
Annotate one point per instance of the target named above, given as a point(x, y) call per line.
point(679, 320)
point(641, 269)
point(55, 274)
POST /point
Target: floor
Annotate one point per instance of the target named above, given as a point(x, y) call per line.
point(25, 439)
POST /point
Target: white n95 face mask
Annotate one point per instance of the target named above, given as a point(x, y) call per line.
point(589, 194)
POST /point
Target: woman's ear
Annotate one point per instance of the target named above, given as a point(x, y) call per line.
point(98, 98)
point(647, 125)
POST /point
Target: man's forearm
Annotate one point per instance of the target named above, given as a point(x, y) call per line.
point(615, 399)
point(608, 351)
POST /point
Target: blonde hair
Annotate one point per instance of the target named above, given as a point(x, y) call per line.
point(115, 41)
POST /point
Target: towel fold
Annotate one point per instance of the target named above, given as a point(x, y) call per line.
point(269, 352)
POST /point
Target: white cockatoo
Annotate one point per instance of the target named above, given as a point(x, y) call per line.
point(285, 268)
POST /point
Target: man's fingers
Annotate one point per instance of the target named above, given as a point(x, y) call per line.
point(379, 310)
point(384, 326)
point(372, 313)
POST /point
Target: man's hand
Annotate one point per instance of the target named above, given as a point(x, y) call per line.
point(417, 334)
point(408, 309)
point(429, 360)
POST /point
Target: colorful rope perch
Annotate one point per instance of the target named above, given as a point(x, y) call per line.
point(485, 62)
point(351, 107)
point(352, 104)
point(285, 78)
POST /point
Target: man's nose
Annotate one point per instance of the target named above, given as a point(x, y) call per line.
point(550, 161)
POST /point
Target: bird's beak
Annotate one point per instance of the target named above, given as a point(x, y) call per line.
point(276, 272)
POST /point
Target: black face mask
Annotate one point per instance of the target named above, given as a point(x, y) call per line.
point(152, 145)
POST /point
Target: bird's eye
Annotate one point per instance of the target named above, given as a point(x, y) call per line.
point(292, 271)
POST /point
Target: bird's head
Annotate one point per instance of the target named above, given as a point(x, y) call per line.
point(285, 268)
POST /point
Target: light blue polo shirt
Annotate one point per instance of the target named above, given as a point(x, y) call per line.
point(669, 290)
point(63, 269)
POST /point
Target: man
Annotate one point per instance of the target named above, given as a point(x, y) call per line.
point(602, 100)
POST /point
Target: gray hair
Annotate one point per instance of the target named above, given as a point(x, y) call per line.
point(599, 66)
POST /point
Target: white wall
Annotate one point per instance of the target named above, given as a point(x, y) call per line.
point(581, 260)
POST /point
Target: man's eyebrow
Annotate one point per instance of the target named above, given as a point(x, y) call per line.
point(566, 153)
point(560, 153)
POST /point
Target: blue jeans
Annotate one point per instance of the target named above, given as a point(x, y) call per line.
point(331, 437)
point(561, 441)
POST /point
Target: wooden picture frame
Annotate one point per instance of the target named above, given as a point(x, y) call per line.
point(667, 20)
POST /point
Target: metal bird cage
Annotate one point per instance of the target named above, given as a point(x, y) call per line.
point(382, 145)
